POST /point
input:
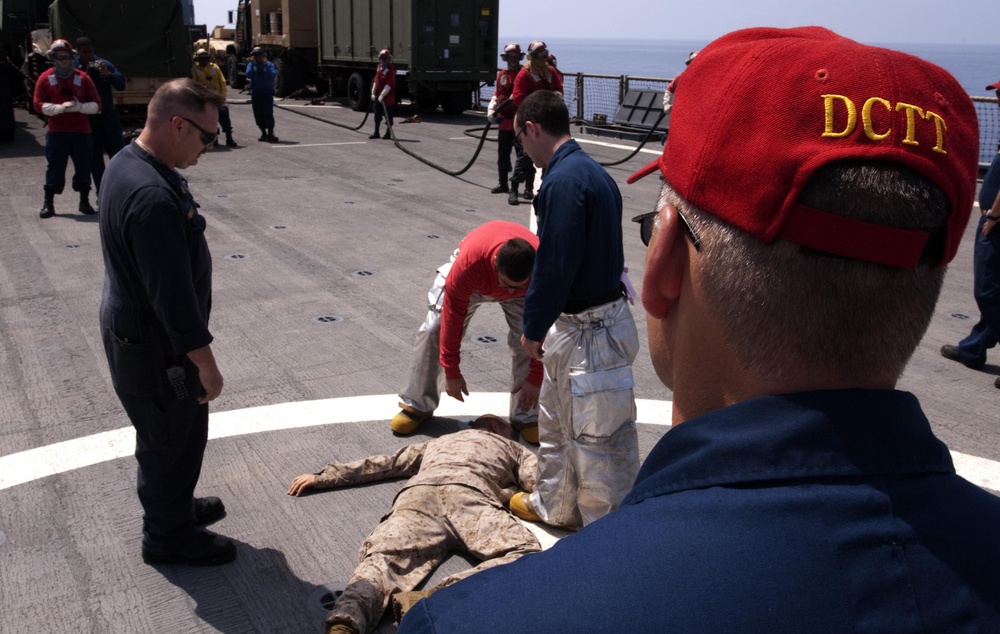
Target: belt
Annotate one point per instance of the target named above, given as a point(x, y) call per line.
point(579, 306)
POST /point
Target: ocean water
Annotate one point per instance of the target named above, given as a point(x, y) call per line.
point(973, 65)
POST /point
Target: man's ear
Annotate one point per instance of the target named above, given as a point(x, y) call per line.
point(666, 264)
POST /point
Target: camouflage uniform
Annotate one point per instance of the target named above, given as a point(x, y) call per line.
point(454, 500)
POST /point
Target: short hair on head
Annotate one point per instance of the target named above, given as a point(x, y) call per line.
point(82, 41)
point(182, 96)
point(515, 259)
point(547, 109)
point(788, 309)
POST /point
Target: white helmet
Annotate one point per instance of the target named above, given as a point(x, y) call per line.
point(537, 48)
point(512, 48)
point(60, 46)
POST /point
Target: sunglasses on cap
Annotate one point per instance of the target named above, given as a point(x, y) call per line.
point(206, 137)
point(647, 220)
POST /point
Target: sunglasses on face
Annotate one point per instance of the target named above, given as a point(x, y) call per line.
point(647, 220)
point(206, 137)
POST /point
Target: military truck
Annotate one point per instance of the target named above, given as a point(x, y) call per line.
point(443, 49)
point(147, 41)
point(18, 18)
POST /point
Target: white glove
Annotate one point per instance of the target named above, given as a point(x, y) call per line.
point(73, 106)
point(491, 110)
point(385, 91)
point(53, 109)
point(90, 107)
point(373, 95)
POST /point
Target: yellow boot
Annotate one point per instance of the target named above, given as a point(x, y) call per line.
point(407, 420)
point(520, 505)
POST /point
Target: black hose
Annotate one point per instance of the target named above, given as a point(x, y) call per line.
point(339, 125)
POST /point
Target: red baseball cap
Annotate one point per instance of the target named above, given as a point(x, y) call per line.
point(760, 110)
point(995, 86)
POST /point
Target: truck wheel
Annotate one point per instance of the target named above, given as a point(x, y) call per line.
point(358, 92)
point(281, 83)
point(236, 80)
point(455, 102)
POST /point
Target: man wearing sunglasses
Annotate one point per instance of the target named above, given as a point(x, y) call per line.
point(154, 320)
point(798, 490)
point(66, 96)
point(589, 452)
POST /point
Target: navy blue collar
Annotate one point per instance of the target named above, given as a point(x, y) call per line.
point(835, 433)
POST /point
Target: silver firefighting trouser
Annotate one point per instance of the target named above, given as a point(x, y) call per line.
point(427, 381)
point(589, 454)
point(426, 525)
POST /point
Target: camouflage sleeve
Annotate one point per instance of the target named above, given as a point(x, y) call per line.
point(527, 468)
point(403, 464)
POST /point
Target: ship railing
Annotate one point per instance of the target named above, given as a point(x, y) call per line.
point(596, 98)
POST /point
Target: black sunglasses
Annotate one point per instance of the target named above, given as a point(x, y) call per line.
point(517, 137)
point(206, 137)
point(646, 221)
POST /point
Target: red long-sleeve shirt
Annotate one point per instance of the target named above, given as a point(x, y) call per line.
point(475, 271)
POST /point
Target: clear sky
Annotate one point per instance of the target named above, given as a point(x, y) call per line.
point(870, 21)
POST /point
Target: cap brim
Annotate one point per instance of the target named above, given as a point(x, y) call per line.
point(995, 86)
point(644, 172)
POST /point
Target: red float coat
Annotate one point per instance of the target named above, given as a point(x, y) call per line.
point(386, 77)
point(50, 89)
point(503, 92)
point(527, 83)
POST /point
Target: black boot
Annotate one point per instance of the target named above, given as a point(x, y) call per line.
point(502, 188)
point(512, 197)
point(375, 134)
point(529, 189)
point(229, 140)
point(48, 207)
point(263, 135)
point(388, 134)
point(270, 136)
point(84, 207)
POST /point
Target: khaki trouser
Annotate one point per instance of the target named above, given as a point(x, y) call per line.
point(589, 453)
point(427, 523)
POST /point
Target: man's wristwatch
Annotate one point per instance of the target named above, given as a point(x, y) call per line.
point(993, 218)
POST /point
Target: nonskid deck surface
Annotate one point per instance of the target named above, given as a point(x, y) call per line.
point(324, 246)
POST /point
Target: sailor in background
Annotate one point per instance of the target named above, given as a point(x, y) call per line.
point(384, 93)
point(105, 127)
point(208, 74)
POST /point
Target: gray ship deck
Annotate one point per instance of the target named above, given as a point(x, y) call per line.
point(324, 246)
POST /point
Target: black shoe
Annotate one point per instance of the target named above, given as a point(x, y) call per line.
point(262, 137)
point(512, 197)
point(208, 510)
point(230, 142)
point(48, 208)
point(528, 195)
point(84, 207)
point(387, 135)
point(500, 189)
point(376, 134)
point(203, 548)
point(951, 352)
point(271, 138)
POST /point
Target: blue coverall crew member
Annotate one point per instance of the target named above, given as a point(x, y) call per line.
point(154, 320)
point(971, 351)
point(105, 127)
point(384, 93)
point(66, 96)
point(261, 75)
point(505, 116)
point(589, 452)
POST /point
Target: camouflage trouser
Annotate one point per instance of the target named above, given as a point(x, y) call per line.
point(426, 523)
